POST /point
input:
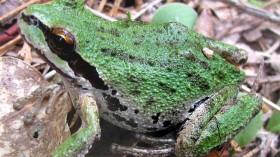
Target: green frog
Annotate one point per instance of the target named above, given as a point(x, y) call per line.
point(142, 77)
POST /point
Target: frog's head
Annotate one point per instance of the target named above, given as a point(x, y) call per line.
point(47, 28)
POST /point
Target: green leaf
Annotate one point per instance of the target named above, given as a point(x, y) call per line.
point(273, 124)
point(256, 3)
point(250, 132)
point(176, 12)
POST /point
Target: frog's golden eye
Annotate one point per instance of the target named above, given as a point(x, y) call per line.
point(61, 41)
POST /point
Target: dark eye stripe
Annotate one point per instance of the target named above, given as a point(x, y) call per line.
point(63, 44)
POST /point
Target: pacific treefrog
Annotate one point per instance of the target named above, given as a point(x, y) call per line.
point(143, 77)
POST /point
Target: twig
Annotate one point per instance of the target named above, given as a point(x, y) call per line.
point(9, 45)
point(253, 11)
point(16, 10)
point(50, 74)
point(252, 152)
point(99, 14)
point(138, 4)
point(145, 9)
point(270, 79)
point(106, 17)
point(1, 2)
point(90, 3)
point(257, 80)
point(101, 5)
point(273, 48)
point(115, 8)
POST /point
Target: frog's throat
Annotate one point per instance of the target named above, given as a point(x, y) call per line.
point(74, 60)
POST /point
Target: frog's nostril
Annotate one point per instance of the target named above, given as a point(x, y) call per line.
point(31, 17)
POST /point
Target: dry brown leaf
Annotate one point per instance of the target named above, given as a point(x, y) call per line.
point(214, 5)
point(253, 35)
point(231, 38)
point(257, 31)
point(7, 6)
point(224, 14)
point(19, 79)
point(25, 53)
point(204, 24)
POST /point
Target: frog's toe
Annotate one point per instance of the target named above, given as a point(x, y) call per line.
point(18, 105)
point(52, 92)
point(153, 140)
point(53, 97)
point(28, 118)
point(146, 146)
point(140, 151)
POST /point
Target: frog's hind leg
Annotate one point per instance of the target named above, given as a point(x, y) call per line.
point(216, 121)
point(211, 124)
point(158, 147)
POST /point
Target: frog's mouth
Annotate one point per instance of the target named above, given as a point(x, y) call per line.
point(62, 45)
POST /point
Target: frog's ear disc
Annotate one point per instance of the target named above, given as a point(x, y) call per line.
point(71, 3)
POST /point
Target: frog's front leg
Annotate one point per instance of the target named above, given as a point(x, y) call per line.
point(85, 106)
point(79, 143)
point(216, 121)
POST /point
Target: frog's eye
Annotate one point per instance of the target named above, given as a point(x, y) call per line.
point(61, 41)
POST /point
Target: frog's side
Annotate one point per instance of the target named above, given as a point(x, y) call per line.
point(144, 77)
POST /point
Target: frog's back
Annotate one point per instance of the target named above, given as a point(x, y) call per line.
point(154, 73)
point(150, 75)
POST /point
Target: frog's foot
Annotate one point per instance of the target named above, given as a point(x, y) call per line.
point(216, 121)
point(52, 92)
point(155, 147)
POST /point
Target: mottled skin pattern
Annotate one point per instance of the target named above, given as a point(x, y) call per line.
point(155, 72)
point(144, 77)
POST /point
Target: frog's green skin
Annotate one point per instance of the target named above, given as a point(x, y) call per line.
point(144, 78)
point(155, 72)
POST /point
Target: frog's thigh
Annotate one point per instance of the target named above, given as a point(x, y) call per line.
point(80, 142)
point(216, 121)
